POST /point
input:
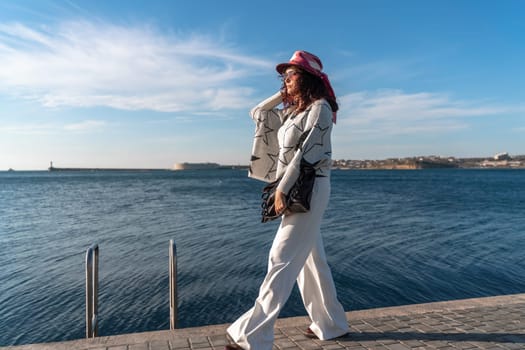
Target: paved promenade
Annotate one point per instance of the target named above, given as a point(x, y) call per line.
point(484, 323)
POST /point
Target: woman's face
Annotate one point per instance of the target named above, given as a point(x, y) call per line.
point(291, 81)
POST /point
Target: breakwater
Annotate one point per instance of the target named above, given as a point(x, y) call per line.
point(103, 169)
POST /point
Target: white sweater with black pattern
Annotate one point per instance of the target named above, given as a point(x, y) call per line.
point(277, 132)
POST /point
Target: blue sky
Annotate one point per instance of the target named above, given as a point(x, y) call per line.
point(152, 83)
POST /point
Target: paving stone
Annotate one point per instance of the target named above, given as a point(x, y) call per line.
point(159, 345)
point(398, 347)
point(198, 340)
point(333, 346)
point(354, 347)
point(285, 344)
point(368, 344)
point(181, 343)
point(425, 328)
point(201, 346)
point(378, 347)
point(465, 346)
point(514, 346)
point(363, 328)
point(413, 343)
point(389, 342)
point(141, 346)
point(438, 344)
point(219, 337)
point(308, 345)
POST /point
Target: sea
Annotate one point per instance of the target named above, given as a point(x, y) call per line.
point(392, 238)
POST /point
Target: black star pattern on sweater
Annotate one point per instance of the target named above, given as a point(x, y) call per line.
point(273, 168)
point(263, 127)
point(290, 148)
point(262, 131)
point(322, 134)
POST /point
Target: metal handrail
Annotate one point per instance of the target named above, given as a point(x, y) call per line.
point(92, 291)
point(92, 288)
point(173, 284)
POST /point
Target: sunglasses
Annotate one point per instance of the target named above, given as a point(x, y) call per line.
point(289, 74)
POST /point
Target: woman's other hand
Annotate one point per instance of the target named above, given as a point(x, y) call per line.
point(280, 202)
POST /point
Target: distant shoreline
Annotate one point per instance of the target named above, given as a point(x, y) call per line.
point(242, 167)
point(501, 161)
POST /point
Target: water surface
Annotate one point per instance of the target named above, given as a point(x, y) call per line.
point(392, 238)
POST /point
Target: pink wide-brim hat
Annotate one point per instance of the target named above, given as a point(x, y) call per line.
point(312, 64)
point(307, 61)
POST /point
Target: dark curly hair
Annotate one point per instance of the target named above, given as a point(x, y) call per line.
point(311, 88)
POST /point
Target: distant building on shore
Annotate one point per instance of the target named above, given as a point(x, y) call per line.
point(502, 156)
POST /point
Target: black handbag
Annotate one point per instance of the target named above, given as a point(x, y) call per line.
point(298, 199)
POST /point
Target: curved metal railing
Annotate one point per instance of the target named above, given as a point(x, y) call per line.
point(92, 288)
point(92, 291)
point(173, 285)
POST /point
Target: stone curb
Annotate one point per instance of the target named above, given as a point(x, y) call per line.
point(367, 322)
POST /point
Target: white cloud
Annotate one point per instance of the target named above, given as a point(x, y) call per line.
point(51, 128)
point(83, 64)
point(28, 129)
point(86, 125)
point(395, 112)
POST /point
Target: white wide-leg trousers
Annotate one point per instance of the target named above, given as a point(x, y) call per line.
point(297, 254)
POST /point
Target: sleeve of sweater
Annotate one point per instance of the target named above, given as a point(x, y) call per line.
point(267, 105)
point(265, 148)
point(316, 147)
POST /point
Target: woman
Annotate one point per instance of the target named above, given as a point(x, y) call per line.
point(297, 252)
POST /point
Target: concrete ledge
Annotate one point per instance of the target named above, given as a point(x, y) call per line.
point(288, 329)
point(440, 306)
